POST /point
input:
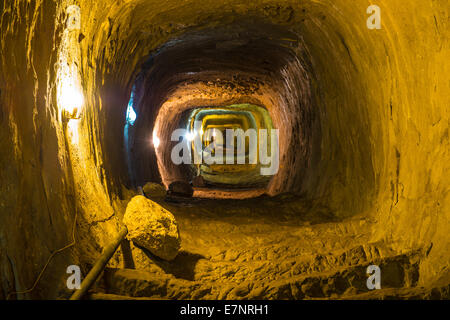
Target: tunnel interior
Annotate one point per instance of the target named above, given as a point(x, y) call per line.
point(343, 161)
point(234, 162)
point(224, 67)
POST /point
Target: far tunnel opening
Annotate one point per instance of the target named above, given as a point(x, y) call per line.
point(224, 147)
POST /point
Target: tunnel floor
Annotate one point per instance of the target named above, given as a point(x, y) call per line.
point(262, 248)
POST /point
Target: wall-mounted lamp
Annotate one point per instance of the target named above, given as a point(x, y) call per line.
point(131, 114)
point(70, 99)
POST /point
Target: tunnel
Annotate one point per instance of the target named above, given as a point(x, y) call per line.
point(321, 130)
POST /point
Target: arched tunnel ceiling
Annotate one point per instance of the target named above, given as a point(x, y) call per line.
point(363, 114)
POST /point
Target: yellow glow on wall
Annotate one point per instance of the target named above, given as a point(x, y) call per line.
point(72, 125)
point(70, 98)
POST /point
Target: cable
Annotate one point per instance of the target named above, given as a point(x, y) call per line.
point(48, 261)
point(55, 252)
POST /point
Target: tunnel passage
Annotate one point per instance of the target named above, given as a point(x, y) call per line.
point(219, 68)
point(362, 114)
point(260, 64)
point(225, 143)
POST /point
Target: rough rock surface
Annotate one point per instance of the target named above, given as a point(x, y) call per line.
point(250, 254)
point(198, 181)
point(181, 188)
point(152, 189)
point(152, 227)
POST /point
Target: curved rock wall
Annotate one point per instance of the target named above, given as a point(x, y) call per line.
point(376, 136)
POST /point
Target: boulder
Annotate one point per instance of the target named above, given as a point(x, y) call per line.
point(152, 227)
point(181, 189)
point(154, 190)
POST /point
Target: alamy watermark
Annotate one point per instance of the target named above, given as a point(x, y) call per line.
point(210, 147)
point(74, 280)
point(374, 21)
point(374, 280)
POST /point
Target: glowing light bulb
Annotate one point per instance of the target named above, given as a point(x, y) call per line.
point(70, 98)
point(156, 141)
point(131, 115)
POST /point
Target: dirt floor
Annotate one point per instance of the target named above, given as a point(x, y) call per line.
point(262, 248)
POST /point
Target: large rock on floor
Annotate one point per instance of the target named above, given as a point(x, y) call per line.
point(152, 227)
point(180, 189)
point(154, 190)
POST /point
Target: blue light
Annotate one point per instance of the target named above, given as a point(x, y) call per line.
point(131, 114)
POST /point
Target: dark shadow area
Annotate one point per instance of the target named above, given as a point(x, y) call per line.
point(183, 266)
point(283, 209)
point(127, 254)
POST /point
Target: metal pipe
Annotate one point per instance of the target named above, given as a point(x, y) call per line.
point(99, 265)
